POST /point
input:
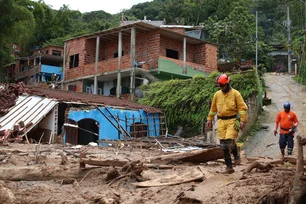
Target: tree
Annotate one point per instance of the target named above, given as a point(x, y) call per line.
point(234, 33)
point(17, 25)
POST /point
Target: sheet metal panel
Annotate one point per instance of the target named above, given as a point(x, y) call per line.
point(29, 109)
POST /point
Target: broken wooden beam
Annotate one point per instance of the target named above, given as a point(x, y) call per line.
point(104, 162)
point(39, 173)
point(298, 189)
point(117, 163)
point(176, 178)
point(263, 167)
point(197, 156)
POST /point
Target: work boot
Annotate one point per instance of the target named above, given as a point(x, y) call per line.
point(237, 161)
point(228, 170)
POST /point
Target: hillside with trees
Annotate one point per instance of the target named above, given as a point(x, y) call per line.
point(230, 23)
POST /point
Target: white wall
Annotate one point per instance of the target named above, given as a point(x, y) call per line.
point(107, 85)
point(49, 123)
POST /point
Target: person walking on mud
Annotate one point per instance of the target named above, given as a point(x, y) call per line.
point(278, 67)
point(288, 124)
point(227, 104)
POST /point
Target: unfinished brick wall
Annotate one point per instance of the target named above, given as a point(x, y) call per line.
point(78, 84)
point(73, 47)
point(50, 48)
point(149, 47)
point(194, 53)
point(195, 66)
point(177, 30)
point(147, 50)
point(211, 59)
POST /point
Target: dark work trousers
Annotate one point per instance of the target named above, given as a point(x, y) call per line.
point(286, 140)
point(228, 146)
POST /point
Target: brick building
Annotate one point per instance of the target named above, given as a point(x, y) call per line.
point(39, 67)
point(121, 57)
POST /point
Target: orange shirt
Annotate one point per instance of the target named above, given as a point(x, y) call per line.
point(286, 121)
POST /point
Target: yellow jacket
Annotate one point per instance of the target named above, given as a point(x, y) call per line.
point(228, 104)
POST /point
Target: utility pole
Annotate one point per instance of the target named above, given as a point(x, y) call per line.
point(257, 41)
point(289, 40)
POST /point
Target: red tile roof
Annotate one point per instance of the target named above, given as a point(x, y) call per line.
point(69, 96)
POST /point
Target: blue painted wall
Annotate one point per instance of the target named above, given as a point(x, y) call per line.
point(108, 131)
point(48, 69)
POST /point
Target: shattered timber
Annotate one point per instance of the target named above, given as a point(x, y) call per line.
point(135, 169)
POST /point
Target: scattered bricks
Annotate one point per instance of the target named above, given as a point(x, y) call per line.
point(21, 124)
point(16, 128)
point(29, 124)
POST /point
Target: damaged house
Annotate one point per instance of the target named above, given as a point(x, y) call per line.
point(116, 61)
point(44, 114)
point(39, 68)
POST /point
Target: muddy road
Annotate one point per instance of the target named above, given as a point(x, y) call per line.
point(280, 88)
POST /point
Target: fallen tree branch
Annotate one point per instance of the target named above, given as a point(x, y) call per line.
point(266, 167)
point(273, 189)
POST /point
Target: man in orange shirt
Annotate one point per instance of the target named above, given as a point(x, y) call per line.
point(288, 123)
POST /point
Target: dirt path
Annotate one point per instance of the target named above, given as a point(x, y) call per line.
point(280, 89)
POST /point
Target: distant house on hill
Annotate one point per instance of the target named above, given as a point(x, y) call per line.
point(40, 67)
point(280, 56)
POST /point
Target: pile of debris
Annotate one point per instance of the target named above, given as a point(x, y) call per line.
point(8, 96)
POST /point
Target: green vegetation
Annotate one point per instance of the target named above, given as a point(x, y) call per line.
point(230, 23)
point(186, 102)
point(252, 132)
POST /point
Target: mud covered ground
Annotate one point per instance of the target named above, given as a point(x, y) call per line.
point(254, 187)
point(259, 186)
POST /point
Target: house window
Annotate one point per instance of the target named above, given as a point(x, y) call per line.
point(90, 90)
point(172, 54)
point(47, 51)
point(72, 87)
point(100, 91)
point(74, 61)
point(139, 130)
point(36, 62)
point(116, 54)
point(56, 52)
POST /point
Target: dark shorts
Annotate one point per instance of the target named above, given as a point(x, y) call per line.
point(286, 140)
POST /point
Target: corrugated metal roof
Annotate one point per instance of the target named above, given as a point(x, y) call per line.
point(29, 110)
point(89, 99)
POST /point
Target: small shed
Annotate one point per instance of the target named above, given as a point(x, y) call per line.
point(85, 118)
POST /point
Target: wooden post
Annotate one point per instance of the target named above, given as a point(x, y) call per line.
point(298, 188)
point(300, 157)
point(82, 155)
point(37, 153)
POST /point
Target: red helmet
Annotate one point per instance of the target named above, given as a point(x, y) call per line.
point(222, 79)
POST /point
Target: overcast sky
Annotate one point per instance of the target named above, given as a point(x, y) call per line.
point(109, 6)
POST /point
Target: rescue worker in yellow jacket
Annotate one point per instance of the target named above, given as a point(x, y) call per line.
point(227, 104)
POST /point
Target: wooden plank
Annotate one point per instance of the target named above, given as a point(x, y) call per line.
point(104, 162)
point(197, 156)
point(173, 179)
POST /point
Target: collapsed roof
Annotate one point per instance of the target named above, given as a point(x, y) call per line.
point(89, 99)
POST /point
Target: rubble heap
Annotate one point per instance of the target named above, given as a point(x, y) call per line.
point(8, 96)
